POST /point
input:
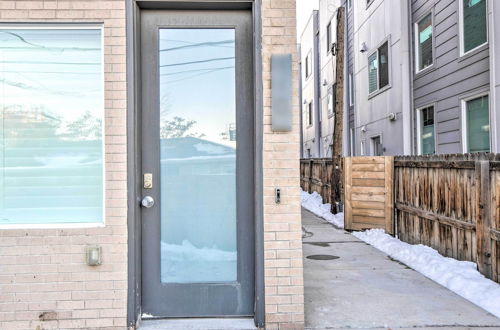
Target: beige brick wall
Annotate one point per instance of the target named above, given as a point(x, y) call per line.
point(282, 223)
point(44, 270)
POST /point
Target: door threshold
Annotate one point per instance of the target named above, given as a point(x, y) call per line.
point(199, 324)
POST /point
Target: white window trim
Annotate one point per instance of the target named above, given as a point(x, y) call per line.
point(308, 67)
point(351, 142)
point(389, 73)
point(329, 42)
point(73, 26)
point(419, 128)
point(463, 105)
point(310, 114)
point(363, 142)
point(372, 144)
point(461, 29)
point(351, 89)
point(417, 43)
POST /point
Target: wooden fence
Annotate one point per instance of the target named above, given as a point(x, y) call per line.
point(368, 193)
point(451, 203)
point(316, 175)
point(448, 202)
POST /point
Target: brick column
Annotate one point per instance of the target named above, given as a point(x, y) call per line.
point(284, 282)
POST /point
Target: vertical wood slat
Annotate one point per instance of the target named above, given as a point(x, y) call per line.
point(389, 196)
point(348, 186)
point(483, 222)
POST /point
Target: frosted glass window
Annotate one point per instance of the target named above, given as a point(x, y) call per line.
point(475, 25)
point(424, 42)
point(198, 155)
point(51, 109)
point(478, 124)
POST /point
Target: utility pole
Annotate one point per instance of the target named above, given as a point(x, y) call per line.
point(338, 51)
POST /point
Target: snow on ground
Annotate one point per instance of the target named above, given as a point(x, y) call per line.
point(314, 203)
point(460, 277)
point(186, 263)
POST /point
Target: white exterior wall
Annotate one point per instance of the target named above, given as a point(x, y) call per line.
point(381, 20)
point(309, 87)
point(327, 14)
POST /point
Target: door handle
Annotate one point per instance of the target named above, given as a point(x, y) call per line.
point(148, 202)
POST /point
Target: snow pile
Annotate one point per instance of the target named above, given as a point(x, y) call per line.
point(460, 277)
point(314, 203)
point(186, 263)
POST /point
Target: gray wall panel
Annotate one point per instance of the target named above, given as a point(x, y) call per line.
point(451, 77)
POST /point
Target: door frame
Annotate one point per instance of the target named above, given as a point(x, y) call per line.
point(134, 161)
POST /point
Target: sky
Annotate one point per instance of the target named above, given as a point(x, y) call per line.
point(304, 9)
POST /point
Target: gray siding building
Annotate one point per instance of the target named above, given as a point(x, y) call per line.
point(420, 77)
point(451, 76)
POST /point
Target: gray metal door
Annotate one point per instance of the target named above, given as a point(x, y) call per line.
point(197, 159)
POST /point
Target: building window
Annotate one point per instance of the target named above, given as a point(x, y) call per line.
point(376, 146)
point(309, 114)
point(424, 47)
point(474, 24)
point(427, 134)
point(477, 124)
point(51, 112)
point(351, 90)
point(351, 137)
point(378, 68)
point(329, 38)
point(332, 100)
point(308, 65)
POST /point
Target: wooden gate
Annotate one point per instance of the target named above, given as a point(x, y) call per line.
point(369, 193)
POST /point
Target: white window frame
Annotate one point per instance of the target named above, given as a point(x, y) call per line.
point(308, 66)
point(351, 138)
point(463, 105)
point(372, 143)
point(389, 72)
point(461, 29)
point(71, 26)
point(419, 127)
point(351, 89)
point(310, 114)
point(362, 146)
point(329, 38)
point(417, 43)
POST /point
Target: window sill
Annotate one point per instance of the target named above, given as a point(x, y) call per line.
point(473, 52)
point(379, 91)
point(53, 226)
point(425, 71)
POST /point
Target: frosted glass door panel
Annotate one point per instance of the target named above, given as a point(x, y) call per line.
point(51, 110)
point(198, 155)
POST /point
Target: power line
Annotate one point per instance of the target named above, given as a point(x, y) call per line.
point(200, 44)
point(195, 75)
point(36, 62)
point(22, 39)
point(195, 70)
point(196, 62)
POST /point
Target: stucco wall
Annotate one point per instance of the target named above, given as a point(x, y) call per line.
point(43, 274)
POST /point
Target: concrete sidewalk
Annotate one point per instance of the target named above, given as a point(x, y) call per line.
point(364, 289)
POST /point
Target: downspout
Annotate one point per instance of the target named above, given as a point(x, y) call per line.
point(317, 86)
point(406, 79)
point(494, 11)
